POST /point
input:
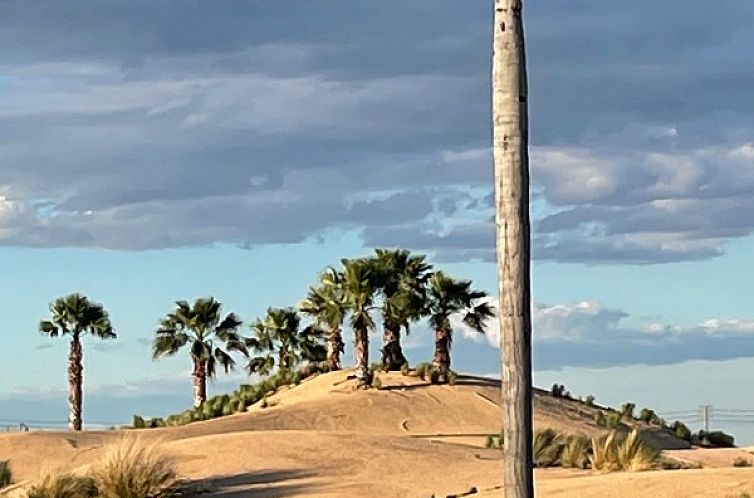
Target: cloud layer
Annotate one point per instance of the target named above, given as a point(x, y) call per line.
point(131, 128)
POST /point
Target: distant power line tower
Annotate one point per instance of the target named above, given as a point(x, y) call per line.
point(706, 412)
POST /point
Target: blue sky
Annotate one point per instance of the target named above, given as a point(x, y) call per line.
point(152, 151)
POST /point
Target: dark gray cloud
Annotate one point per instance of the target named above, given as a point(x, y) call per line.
point(126, 123)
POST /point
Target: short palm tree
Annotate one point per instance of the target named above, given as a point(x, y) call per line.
point(75, 315)
point(446, 297)
point(326, 305)
point(199, 327)
point(359, 288)
point(279, 334)
point(401, 279)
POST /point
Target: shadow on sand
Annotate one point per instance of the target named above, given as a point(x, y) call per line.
point(262, 484)
point(461, 380)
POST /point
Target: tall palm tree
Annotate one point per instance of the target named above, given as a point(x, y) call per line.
point(199, 327)
point(401, 278)
point(359, 288)
point(279, 333)
point(511, 157)
point(325, 303)
point(448, 297)
point(75, 315)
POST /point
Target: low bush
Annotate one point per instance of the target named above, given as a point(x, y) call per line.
point(6, 475)
point(631, 454)
point(589, 400)
point(613, 420)
point(681, 431)
point(238, 401)
point(599, 419)
point(63, 486)
point(547, 448)
point(133, 470)
point(495, 441)
point(575, 452)
point(627, 411)
point(717, 439)
point(742, 462)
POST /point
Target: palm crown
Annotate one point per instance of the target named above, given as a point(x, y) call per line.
point(76, 314)
point(448, 296)
point(199, 326)
point(280, 333)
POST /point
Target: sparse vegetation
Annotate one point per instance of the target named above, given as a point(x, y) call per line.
point(575, 452)
point(717, 439)
point(599, 419)
point(6, 475)
point(613, 420)
point(589, 401)
point(630, 454)
point(133, 470)
point(681, 431)
point(627, 411)
point(548, 447)
point(63, 486)
point(742, 462)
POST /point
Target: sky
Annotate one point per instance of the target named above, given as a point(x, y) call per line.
point(154, 151)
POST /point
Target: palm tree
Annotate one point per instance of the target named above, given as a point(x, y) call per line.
point(510, 122)
point(401, 278)
point(448, 297)
point(199, 327)
point(75, 315)
point(359, 288)
point(325, 303)
point(280, 334)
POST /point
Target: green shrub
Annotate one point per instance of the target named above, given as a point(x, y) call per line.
point(613, 420)
point(599, 419)
point(589, 400)
point(6, 476)
point(547, 448)
point(627, 411)
point(718, 439)
point(647, 415)
point(63, 486)
point(742, 462)
point(681, 431)
point(452, 377)
point(139, 422)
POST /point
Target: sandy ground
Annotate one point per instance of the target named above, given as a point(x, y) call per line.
point(325, 439)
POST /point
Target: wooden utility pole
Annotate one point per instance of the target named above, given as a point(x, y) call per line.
point(511, 158)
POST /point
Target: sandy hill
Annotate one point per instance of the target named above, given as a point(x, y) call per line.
point(409, 439)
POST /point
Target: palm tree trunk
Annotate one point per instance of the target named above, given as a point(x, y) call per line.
point(511, 158)
point(334, 348)
point(75, 383)
point(392, 353)
point(200, 382)
point(362, 356)
point(441, 362)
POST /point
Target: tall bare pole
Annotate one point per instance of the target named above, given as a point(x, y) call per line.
point(511, 158)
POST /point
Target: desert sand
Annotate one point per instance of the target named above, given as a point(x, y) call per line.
point(323, 438)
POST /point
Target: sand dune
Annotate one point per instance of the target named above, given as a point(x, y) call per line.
point(325, 439)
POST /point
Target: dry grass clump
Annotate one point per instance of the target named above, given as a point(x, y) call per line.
point(547, 448)
point(133, 470)
point(631, 454)
point(575, 454)
point(742, 462)
point(63, 486)
point(130, 470)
